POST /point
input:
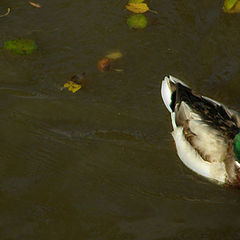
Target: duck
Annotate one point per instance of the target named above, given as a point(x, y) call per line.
point(206, 133)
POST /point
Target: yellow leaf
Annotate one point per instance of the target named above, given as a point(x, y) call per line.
point(234, 9)
point(5, 14)
point(72, 86)
point(76, 88)
point(66, 85)
point(114, 55)
point(137, 7)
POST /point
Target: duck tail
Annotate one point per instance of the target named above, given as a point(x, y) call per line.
point(168, 91)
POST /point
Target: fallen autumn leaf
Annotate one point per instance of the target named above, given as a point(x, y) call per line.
point(5, 14)
point(34, 4)
point(137, 7)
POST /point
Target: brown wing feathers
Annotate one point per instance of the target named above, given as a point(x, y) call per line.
point(213, 114)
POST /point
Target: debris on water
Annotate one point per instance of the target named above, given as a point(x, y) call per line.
point(76, 82)
point(231, 6)
point(114, 55)
point(104, 64)
point(137, 7)
point(5, 14)
point(35, 4)
point(107, 62)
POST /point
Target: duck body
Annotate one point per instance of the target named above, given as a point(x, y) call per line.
point(204, 131)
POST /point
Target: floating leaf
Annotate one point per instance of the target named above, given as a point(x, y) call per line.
point(136, 1)
point(72, 86)
point(236, 8)
point(21, 46)
point(137, 21)
point(114, 55)
point(5, 14)
point(231, 6)
point(104, 64)
point(34, 4)
point(137, 7)
point(117, 69)
point(76, 82)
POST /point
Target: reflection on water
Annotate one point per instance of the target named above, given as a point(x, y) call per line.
point(101, 163)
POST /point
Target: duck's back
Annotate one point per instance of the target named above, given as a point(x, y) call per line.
point(203, 129)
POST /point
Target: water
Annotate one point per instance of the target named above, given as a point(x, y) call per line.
point(101, 163)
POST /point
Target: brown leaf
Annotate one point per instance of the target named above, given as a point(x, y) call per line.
point(104, 64)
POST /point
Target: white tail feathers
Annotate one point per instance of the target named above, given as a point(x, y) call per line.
point(166, 90)
point(166, 93)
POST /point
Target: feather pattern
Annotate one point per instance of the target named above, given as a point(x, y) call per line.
point(204, 131)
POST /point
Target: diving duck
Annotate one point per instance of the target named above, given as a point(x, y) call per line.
point(206, 132)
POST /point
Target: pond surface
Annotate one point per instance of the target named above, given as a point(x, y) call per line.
point(101, 164)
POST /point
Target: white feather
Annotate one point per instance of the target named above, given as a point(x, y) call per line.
point(166, 93)
point(175, 80)
point(166, 90)
point(173, 120)
point(190, 157)
point(208, 141)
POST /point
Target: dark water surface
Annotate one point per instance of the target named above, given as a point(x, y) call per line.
point(101, 164)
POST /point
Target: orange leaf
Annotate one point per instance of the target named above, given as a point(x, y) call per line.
point(104, 64)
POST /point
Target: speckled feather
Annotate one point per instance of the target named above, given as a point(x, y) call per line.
point(204, 131)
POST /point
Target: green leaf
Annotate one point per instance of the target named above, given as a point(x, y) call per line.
point(137, 21)
point(136, 1)
point(229, 4)
point(21, 46)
